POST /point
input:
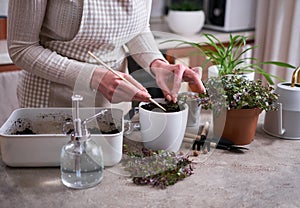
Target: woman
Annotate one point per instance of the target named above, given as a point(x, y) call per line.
point(50, 40)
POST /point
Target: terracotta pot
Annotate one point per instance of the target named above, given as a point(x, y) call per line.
point(238, 126)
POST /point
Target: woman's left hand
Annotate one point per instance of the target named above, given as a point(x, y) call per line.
point(169, 77)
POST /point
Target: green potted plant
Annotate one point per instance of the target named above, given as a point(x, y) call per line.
point(185, 17)
point(231, 58)
point(185, 5)
point(234, 99)
point(236, 103)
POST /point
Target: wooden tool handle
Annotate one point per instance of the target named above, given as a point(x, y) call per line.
point(204, 132)
point(192, 136)
point(205, 129)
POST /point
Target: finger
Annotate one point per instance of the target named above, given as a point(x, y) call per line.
point(200, 87)
point(193, 76)
point(178, 73)
point(197, 86)
point(126, 92)
point(197, 70)
point(165, 90)
point(168, 97)
point(141, 96)
point(108, 84)
point(162, 82)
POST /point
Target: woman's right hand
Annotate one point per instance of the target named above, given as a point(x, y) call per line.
point(117, 90)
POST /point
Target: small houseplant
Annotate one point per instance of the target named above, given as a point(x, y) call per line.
point(185, 5)
point(236, 103)
point(231, 58)
point(185, 17)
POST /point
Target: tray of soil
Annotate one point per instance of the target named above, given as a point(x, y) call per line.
point(33, 137)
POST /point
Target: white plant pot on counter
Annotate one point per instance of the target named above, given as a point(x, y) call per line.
point(213, 71)
point(186, 22)
point(284, 123)
point(163, 130)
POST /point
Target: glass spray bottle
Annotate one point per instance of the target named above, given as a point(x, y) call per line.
point(81, 158)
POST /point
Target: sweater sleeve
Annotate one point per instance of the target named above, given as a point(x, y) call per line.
point(25, 19)
point(143, 48)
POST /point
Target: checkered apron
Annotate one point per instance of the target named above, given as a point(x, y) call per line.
point(106, 25)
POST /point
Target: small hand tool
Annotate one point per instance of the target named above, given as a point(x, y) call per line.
point(200, 140)
point(230, 148)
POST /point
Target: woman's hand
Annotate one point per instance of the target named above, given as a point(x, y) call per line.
point(117, 90)
point(169, 77)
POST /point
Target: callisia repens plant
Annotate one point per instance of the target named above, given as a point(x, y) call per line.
point(236, 92)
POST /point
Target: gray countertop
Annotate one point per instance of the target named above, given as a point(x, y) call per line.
point(267, 175)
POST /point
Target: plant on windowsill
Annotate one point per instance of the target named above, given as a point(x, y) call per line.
point(185, 5)
point(185, 17)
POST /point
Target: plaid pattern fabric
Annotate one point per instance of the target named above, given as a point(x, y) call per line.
point(35, 89)
point(106, 25)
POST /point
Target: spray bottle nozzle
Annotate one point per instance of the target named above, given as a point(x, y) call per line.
point(77, 121)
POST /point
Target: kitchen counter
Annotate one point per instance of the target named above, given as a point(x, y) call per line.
point(267, 175)
point(162, 33)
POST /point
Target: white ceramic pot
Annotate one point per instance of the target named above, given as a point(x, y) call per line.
point(185, 22)
point(213, 71)
point(285, 122)
point(161, 130)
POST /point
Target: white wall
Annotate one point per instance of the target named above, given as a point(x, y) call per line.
point(158, 8)
point(3, 7)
